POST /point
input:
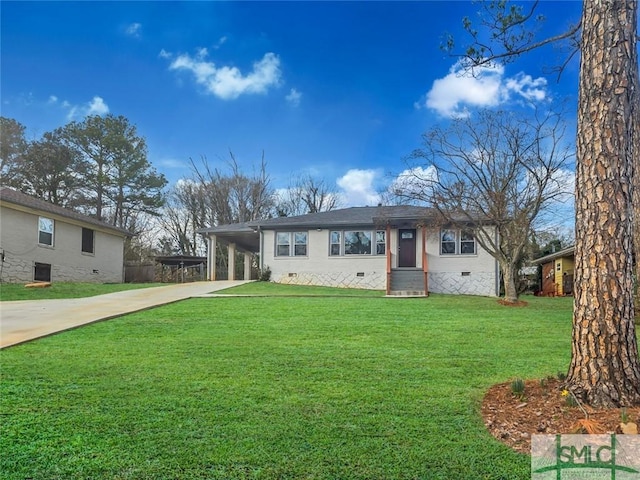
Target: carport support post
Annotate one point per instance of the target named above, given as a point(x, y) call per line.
point(247, 266)
point(211, 260)
point(232, 262)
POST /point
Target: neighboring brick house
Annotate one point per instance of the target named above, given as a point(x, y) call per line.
point(40, 241)
point(392, 248)
point(557, 272)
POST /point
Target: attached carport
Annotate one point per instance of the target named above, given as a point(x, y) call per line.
point(239, 237)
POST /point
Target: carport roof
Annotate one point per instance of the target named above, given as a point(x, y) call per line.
point(244, 235)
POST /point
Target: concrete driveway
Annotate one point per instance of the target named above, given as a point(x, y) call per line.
point(25, 320)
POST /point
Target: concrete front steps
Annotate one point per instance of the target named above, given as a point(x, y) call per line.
point(407, 282)
point(407, 293)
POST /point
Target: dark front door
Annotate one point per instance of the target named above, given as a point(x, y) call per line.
point(407, 248)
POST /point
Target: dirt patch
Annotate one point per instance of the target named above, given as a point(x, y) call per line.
point(519, 303)
point(542, 410)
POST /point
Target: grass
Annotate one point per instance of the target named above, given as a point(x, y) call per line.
point(278, 289)
point(277, 388)
point(17, 291)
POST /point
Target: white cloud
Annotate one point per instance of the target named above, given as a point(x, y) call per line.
point(96, 106)
point(226, 82)
point(294, 97)
point(134, 30)
point(164, 54)
point(358, 188)
point(413, 183)
point(527, 87)
point(52, 99)
point(221, 42)
point(485, 87)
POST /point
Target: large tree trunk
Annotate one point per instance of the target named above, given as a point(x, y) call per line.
point(636, 206)
point(509, 278)
point(604, 367)
point(636, 200)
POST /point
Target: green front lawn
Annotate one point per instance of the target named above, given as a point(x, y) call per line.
point(17, 291)
point(276, 388)
point(279, 289)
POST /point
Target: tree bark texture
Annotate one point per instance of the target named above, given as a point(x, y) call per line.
point(509, 277)
point(604, 367)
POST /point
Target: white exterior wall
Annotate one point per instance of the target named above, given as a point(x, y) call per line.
point(19, 242)
point(446, 271)
point(318, 268)
point(451, 274)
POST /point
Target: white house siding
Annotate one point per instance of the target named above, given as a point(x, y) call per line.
point(460, 274)
point(21, 249)
point(318, 268)
point(451, 274)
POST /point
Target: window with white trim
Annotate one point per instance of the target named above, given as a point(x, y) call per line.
point(300, 244)
point(291, 244)
point(335, 243)
point(357, 242)
point(467, 243)
point(45, 231)
point(381, 242)
point(448, 242)
point(457, 242)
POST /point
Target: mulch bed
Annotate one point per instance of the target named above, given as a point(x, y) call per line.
point(542, 410)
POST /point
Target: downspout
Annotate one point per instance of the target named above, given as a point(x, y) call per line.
point(497, 266)
point(261, 236)
point(388, 238)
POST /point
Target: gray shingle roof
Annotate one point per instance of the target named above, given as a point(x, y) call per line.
point(8, 195)
point(565, 252)
point(351, 217)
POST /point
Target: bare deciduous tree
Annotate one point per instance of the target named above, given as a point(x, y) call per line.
point(493, 175)
point(235, 197)
point(212, 197)
point(184, 212)
point(307, 194)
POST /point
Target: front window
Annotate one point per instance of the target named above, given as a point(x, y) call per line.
point(285, 241)
point(381, 242)
point(300, 244)
point(448, 242)
point(467, 243)
point(357, 243)
point(283, 244)
point(457, 242)
point(45, 231)
point(335, 243)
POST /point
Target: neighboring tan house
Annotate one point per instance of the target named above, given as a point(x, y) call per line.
point(557, 272)
point(40, 241)
point(393, 248)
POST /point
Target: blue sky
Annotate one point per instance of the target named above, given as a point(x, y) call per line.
point(340, 90)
